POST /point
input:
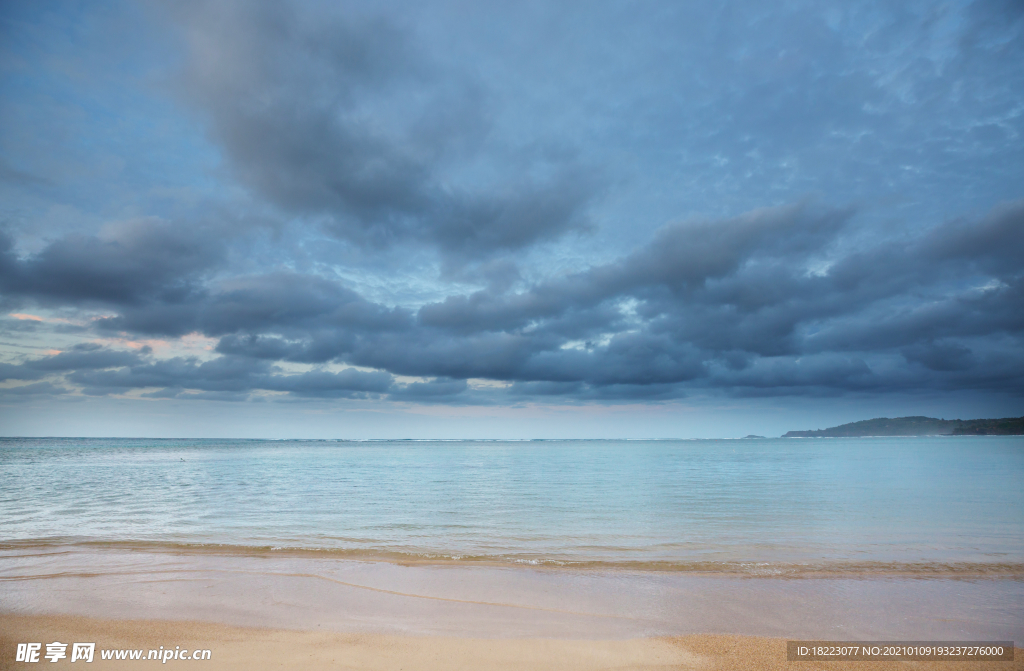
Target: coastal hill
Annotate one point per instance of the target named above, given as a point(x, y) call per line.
point(919, 426)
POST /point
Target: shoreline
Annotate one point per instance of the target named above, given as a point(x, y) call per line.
point(233, 647)
point(956, 570)
point(484, 601)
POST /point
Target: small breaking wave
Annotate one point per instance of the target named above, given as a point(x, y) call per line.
point(727, 568)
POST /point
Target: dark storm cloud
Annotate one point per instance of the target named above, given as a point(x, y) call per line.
point(183, 395)
point(680, 262)
point(9, 371)
point(348, 383)
point(437, 390)
point(88, 356)
point(18, 327)
point(231, 375)
point(254, 303)
point(340, 117)
point(780, 300)
point(100, 371)
point(708, 299)
point(222, 374)
point(993, 245)
point(455, 148)
point(27, 392)
point(815, 374)
point(940, 356)
point(127, 264)
point(578, 391)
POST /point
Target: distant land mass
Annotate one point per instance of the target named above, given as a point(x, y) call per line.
point(918, 426)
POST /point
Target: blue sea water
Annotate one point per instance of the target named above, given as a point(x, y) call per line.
point(770, 502)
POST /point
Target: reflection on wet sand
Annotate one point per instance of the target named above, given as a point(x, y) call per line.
point(302, 591)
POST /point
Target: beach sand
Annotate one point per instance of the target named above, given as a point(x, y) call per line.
point(257, 648)
point(306, 612)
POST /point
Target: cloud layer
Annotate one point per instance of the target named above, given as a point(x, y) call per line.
point(339, 117)
point(437, 204)
point(776, 301)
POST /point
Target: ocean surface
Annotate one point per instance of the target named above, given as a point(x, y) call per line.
point(762, 506)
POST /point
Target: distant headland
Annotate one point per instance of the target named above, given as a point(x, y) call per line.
point(918, 426)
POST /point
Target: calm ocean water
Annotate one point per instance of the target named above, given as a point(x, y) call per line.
point(674, 503)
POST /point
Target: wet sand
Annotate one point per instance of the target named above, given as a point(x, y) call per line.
point(256, 648)
point(343, 595)
point(827, 568)
point(298, 611)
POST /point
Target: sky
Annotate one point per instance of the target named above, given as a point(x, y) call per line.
point(450, 219)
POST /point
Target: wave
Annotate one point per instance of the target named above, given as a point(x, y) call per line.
point(727, 568)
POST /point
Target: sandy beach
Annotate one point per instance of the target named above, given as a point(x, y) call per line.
point(267, 612)
point(535, 557)
point(447, 335)
point(257, 648)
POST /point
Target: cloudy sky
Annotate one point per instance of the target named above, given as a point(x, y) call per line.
point(523, 219)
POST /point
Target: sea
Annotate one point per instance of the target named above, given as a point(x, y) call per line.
point(942, 505)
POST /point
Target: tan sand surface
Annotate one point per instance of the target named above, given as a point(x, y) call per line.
point(483, 602)
point(255, 648)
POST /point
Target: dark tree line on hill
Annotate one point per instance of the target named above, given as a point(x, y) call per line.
point(919, 426)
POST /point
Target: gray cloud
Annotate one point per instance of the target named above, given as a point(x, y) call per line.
point(774, 301)
point(231, 375)
point(130, 263)
point(10, 371)
point(436, 390)
point(342, 118)
point(88, 356)
point(28, 392)
point(411, 180)
point(940, 356)
point(348, 383)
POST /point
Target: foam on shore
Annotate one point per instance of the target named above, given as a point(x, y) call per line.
point(820, 568)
